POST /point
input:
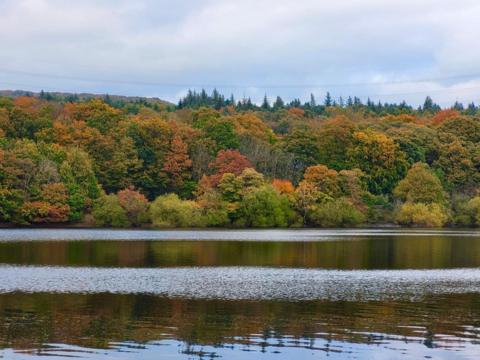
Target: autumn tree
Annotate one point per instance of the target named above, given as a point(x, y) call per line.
point(96, 113)
point(335, 137)
point(135, 205)
point(420, 186)
point(284, 187)
point(379, 158)
point(227, 161)
point(177, 164)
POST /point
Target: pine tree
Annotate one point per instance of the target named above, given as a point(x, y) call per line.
point(349, 102)
point(279, 104)
point(328, 99)
point(428, 104)
point(458, 106)
point(471, 109)
point(265, 104)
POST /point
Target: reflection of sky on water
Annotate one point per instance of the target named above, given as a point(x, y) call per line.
point(269, 349)
point(251, 235)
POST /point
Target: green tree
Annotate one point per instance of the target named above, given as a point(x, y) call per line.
point(170, 211)
point(336, 213)
point(223, 133)
point(264, 207)
point(420, 214)
point(107, 211)
point(420, 186)
point(379, 158)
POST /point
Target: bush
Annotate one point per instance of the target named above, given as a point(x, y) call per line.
point(135, 206)
point(467, 213)
point(171, 211)
point(420, 214)
point(10, 204)
point(336, 213)
point(107, 211)
point(214, 210)
point(265, 207)
point(44, 212)
point(473, 210)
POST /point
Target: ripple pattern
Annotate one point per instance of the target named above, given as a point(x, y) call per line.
point(245, 283)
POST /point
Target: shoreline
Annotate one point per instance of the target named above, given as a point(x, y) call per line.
point(83, 226)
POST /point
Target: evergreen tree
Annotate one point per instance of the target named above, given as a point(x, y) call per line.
point(295, 103)
point(278, 104)
point(265, 103)
point(428, 104)
point(471, 109)
point(458, 106)
point(349, 102)
point(328, 99)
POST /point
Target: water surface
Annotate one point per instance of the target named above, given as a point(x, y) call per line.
point(294, 294)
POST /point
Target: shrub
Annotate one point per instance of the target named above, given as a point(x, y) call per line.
point(171, 211)
point(135, 206)
point(107, 211)
point(473, 209)
point(468, 213)
point(44, 212)
point(265, 207)
point(420, 214)
point(336, 213)
point(214, 210)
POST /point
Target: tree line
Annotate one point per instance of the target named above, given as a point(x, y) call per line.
point(215, 161)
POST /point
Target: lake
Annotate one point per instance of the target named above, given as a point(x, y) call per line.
point(239, 294)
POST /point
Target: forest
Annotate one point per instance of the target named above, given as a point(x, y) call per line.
point(212, 161)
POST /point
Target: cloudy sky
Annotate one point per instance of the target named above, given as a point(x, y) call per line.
point(388, 50)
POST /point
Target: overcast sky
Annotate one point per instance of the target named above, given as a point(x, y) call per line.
point(388, 50)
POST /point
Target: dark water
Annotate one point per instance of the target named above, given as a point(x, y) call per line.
point(303, 294)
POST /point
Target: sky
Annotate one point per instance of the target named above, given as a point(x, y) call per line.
point(387, 50)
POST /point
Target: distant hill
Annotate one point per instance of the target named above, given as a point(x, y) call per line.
point(65, 96)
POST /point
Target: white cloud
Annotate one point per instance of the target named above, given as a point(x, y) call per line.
point(250, 43)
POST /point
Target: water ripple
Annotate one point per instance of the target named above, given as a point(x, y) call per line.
point(247, 283)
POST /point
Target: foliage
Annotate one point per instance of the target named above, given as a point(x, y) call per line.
point(170, 211)
point(227, 161)
point(264, 207)
point(420, 214)
point(420, 185)
point(339, 163)
point(177, 163)
point(284, 187)
point(378, 156)
point(473, 210)
point(135, 206)
point(468, 212)
point(107, 211)
point(337, 213)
